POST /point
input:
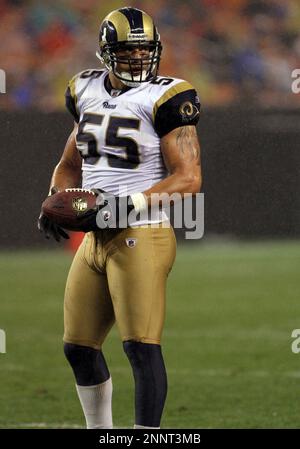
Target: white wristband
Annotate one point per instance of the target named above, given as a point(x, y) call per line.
point(139, 201)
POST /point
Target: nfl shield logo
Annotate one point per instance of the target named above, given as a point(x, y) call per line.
point(79, 204)
point(131, 242)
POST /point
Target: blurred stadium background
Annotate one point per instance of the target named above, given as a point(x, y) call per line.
point(233, 296)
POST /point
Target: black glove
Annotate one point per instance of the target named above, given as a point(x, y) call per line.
point(110, 212)
point(49, 228)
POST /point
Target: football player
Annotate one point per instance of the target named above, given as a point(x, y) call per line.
point(134, 135)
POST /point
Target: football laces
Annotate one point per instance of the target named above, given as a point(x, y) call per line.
point(80, 190)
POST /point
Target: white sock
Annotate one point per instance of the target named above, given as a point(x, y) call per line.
point(136, 426)
point(96, 404)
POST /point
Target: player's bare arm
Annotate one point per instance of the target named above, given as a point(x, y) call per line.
point(181, 153)
point(67, 173)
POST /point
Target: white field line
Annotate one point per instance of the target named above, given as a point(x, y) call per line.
point(45, 425)
point(42, 425)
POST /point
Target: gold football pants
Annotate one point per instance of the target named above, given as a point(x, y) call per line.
point(119, 275)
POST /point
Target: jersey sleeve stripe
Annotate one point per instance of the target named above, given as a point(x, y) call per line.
point(71, 99)
point(72, 86)
point(180, 87)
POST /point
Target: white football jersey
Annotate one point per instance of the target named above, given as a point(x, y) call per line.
point(119, 131)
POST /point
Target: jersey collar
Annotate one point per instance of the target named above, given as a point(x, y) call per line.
point(114, 92)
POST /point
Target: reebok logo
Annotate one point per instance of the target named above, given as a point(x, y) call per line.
point(131, 242)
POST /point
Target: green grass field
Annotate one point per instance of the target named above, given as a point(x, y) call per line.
point(227, 341)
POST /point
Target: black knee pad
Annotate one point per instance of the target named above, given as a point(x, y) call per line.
point(150, 381)
point(88, 364)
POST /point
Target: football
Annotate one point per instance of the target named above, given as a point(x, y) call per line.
point(65, 207)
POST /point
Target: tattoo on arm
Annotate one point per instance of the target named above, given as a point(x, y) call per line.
point(187, 142)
